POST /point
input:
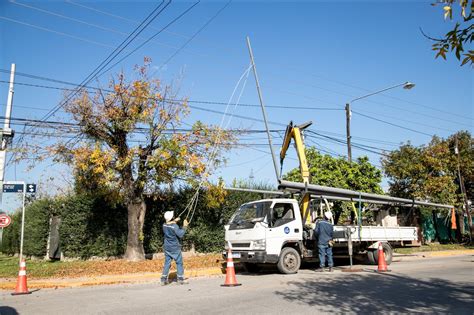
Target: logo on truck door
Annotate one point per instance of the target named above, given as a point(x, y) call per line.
point(287, 230)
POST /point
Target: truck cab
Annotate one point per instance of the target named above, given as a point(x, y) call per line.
point(267, 231)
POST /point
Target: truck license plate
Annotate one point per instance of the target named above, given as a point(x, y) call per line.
point(235, 255)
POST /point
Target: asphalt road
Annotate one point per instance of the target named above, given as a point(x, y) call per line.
point(435, 285)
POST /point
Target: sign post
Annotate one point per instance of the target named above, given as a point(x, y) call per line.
point(18, 187)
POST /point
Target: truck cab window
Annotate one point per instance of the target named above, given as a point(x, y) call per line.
point(282, 213)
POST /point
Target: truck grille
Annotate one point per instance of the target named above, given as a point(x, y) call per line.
point(240, 244)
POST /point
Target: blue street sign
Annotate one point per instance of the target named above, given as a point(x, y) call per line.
point(12, 188)
point(31, 188)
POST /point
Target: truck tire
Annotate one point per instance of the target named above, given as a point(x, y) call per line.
point(252, 268)
point(387, 251)
point(371, 257)
point(290, 261)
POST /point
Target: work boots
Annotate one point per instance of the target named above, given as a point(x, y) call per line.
point(182, 281)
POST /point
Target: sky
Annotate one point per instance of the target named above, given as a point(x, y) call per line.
point(312, 57)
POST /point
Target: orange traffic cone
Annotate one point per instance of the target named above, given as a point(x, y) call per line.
point(453, 219)
point(21, 287)
point(382, 263)
point(230, 280)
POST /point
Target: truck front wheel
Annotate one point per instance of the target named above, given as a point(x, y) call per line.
point(290, 261)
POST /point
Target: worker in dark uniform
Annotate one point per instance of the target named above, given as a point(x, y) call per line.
point(172, 247)
point(324, 231)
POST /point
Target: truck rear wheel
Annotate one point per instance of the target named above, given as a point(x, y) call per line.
point(290, 261)
point(387, 251)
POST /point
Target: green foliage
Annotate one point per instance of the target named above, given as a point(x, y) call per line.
point(11, 235)
point(206, 239)
point(37, 217)
point(326, 170)
point(338, 172)
point(462, 33)
point(92, 227)
point(36, 232)
point(431, 172)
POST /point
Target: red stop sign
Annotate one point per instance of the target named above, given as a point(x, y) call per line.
point(5, 220)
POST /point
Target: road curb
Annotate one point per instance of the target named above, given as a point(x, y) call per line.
point(9, 284)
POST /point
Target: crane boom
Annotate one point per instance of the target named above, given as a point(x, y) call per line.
point(295, 133)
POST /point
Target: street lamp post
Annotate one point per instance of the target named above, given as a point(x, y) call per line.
point(406, 85)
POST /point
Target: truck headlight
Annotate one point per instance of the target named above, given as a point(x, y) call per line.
point(259, 244)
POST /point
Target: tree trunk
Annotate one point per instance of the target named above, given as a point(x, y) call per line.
point(136, 218)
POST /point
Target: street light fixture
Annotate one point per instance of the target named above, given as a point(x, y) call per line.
point(406, 85)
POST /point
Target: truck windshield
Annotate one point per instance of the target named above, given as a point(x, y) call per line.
point(251, 213)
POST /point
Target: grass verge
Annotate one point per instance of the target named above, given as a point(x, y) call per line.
point(431, 248)
point(75, 269)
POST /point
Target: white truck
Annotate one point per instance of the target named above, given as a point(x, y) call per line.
point(280, 231)
point(271, 231)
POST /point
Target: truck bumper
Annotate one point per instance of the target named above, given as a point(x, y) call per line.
point(257, 257)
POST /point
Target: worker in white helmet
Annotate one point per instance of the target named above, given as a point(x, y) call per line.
point(172, 246)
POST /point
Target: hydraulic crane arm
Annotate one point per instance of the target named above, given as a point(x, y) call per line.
point(294, 132)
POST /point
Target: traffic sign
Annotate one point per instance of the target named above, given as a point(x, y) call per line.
point(13, 188)
point(31, 188)
point(5, 220)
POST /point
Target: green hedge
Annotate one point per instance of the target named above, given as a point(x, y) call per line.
point(90, 226)
point(36, 232)
point(11, 235)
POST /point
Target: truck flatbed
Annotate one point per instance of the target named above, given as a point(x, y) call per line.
point(375, 233)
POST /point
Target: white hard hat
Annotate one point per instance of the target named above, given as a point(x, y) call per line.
point(328, 215)
point(169, 215)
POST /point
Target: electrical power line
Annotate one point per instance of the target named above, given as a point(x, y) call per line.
point(56, 32)
point(106, 29)
point(171, 100)
point(194, 35)
point(392, 124)
point(82, 5)
point(150, 18)
point(151, 38)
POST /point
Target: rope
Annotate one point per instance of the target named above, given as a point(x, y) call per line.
point(194, 200)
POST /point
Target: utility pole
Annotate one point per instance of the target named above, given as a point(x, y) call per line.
point(277, 173)
point(6, 134)
point(463, 189)
point(348, 132)
point(406, 85)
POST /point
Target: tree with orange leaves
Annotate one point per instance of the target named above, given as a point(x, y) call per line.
point(133, 147)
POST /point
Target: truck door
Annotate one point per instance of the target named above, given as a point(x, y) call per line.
point(283, 227)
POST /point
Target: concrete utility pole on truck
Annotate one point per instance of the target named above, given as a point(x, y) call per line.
point(277, 231)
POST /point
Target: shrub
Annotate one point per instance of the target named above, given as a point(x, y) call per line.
point(90, 226)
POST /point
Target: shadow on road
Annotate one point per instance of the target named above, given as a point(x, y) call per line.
point(376, 293)
point(7, 310)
